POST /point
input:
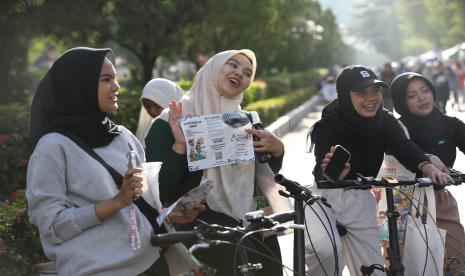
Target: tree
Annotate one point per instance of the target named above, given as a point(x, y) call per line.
point(15, 34)
point(148, 29)
point(277, 31)
point(262, 26)
point(434, 24)
point(151, 29)
point(440, 21)
point(377, 22)
point(331, 49)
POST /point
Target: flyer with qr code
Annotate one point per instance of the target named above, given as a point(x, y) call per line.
point(217, 139)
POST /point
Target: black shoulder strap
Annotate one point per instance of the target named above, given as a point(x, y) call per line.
point(149, 212)
point(117, 177)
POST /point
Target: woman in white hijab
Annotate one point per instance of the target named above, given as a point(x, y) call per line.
point(218, 88)
point(156, 96)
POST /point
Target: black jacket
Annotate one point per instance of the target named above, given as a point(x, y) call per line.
point(449, 135)
point(367, 156)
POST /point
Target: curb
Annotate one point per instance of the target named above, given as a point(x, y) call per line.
point(290, 120)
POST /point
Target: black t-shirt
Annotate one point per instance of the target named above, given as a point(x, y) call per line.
point(367, 155)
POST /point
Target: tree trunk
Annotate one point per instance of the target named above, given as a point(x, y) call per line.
point(147, 62)
point(6, 61)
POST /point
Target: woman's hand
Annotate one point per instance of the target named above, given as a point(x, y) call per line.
point(326, 160)
point(438, 177)
point(438, 163)
point(188, 214)
point(174, 118)
point(131, 187)
point(268, 142)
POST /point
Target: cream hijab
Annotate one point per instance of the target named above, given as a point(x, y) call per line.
point(161, 92)
point(233, 185)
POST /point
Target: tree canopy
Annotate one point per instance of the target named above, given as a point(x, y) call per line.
point(285, 35)
point(400, 28)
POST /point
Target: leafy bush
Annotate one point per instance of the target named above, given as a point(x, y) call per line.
point(255, 92)
point(284, 82)
point(185, 84)
point(14, 149)
point(271, 109)
point(303, 79)
point(128, 108)
point(276, 85)
point(20, 247)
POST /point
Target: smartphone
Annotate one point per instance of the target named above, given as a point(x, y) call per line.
point(335, 166)
point(263, 157)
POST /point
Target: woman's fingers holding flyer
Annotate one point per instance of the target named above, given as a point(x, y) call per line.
point(267, 142)
point(174, 119)
point(189, 214)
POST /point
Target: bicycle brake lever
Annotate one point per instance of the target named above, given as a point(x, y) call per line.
point(284, 227)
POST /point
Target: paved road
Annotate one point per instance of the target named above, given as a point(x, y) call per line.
point(298, 165)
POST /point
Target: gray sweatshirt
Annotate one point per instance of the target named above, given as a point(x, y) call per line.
point(63, 184)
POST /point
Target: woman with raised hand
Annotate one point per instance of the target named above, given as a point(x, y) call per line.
point(414, 96)
point(218, 88)
point(85, 213)
point(357, 121)
point(156, 96)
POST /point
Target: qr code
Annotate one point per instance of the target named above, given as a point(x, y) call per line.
point(218, 155)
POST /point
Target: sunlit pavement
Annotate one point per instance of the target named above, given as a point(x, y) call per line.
point(298, 166)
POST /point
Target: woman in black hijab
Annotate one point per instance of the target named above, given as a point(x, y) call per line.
point(414, 96)
point(84, 211)
point(357, 121)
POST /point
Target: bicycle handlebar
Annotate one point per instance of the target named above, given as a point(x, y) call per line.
point(176, 237)
point(213, 230)
point(364, 183)
point(270, 221)
point(457, 175)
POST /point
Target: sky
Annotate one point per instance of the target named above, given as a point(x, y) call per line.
point(344, 11)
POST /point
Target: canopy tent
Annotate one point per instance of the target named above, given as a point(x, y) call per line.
point(430, 56)
point(453, 53)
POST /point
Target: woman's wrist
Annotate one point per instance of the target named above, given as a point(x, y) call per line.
point(428, 168)
point(278, 149)
point(108, 207)
point(179, 148)
point(278, 153)
point(422, 165)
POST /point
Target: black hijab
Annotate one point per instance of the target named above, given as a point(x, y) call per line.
point(341, 116)
point(424, 130)
point(66, 99)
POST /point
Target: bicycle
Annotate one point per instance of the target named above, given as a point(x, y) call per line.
point(301, 195)
point(208, 235)
point(396, 267)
